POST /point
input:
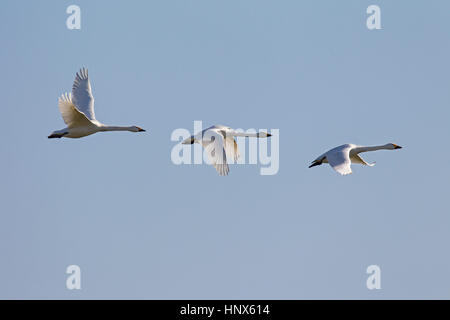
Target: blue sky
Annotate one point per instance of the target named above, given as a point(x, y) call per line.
point(141, 227)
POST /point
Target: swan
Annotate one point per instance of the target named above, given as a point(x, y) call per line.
point(220, 144)
point(77, 110)
point(340, 158)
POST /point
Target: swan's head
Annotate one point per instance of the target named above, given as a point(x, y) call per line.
point(137, 129)
point(393, 146)
point(264, 135)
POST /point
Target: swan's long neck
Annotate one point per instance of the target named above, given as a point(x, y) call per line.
point(248, 134)
point(244, 134)
point(116, 128)
point(371, 148)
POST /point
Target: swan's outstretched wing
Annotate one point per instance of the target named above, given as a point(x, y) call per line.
point(71, 115)
point(340, 161)
point(213, 143)
point(356, 158)
point(82, 94)
point(231, 147)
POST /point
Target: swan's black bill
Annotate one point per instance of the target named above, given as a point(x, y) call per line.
point(263, 135)
point(397, 147)
point(141, 130)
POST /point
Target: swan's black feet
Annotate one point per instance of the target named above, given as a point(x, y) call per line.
point(315, 163)
point(56, 135)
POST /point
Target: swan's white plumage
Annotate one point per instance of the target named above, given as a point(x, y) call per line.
point(220, 145)
point(82, 94)
point(356, 158)
point(340, 161)
point(341, 158)
point(77, 110)
point(231, 148)
point(70, 114)
point(218, 158)
point(215, 149)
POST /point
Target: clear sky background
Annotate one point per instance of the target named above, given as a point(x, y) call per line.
point(141, 227)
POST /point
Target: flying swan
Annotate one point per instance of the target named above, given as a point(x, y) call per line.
point(219, 144)
point(340, 158)
point(77, 110)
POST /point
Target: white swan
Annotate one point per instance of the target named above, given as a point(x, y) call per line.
point(341, 157)
point(77, 110)
point(219, 144)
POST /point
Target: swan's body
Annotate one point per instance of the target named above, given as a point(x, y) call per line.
point(340, 158)
point(77, 110)
point(220, 144)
